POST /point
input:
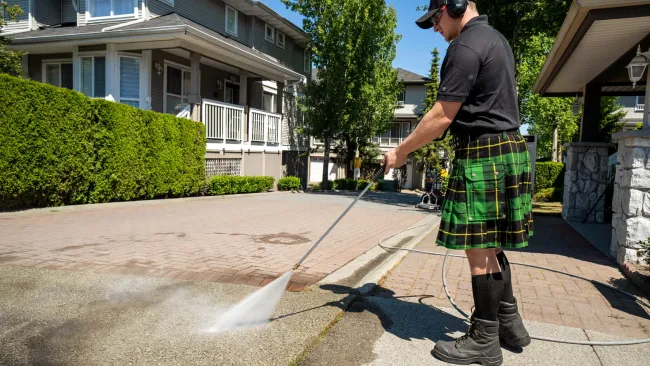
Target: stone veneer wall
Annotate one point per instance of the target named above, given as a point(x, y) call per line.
point(585, 181)
point(631, 202)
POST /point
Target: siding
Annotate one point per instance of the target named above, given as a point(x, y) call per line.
point(48, 12)
point(82, 12)
point(292, 54)
point(23, 20)
point(68, 14)
point(158, 8)
point(298, 63)
point(35, 64)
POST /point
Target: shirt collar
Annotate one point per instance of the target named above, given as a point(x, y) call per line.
point(481, 19)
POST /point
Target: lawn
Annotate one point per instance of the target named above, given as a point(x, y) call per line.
point(547, 209)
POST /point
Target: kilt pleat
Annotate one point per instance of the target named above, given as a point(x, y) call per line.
point(488, 203)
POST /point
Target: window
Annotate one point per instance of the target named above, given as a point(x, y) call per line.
point(280, 41)
point(177, 88)
point(130, 81)
point(269, 102)
point(640, 104)
point(93, 76)
point(58, 74)
point(401, 98)
point(395, 135)
point(307, 61)
point(231, 94)
point(111, 8)
point(168, 2)
point(231, 20)
point(270, 33)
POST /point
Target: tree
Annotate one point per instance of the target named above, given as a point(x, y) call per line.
point(10, 61)
point(429, 154)
point(353, 43)
point(611, 116)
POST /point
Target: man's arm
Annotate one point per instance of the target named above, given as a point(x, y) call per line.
point(432, 126)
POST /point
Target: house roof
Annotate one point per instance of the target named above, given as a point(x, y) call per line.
point(169, 26)
point(406, 76)
point(409, 77)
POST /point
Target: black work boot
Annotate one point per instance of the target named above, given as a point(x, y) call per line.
point(511, 328)
point(479, 345)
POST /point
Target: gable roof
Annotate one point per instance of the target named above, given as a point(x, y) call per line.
point(406, 76)
point(409, 77)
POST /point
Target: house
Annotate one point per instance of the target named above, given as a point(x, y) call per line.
point(408, 113)
point(231, 64)
point(633, 107)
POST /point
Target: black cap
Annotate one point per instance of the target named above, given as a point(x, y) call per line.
point(425, 21)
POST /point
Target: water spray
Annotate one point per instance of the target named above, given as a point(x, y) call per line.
point(257, 308)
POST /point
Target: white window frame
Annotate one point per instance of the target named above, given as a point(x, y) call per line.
point(235, 33)
point(93, 55)
point(120, 56)
point(266, 33)
point(306, 60)
point(399, 138)
point(177, 66)
point(277, 39)
point(59, 62)
point(91, 19)
point(401, 98)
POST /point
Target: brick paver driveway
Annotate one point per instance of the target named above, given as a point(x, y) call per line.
point(244, 239)
point(544, 296)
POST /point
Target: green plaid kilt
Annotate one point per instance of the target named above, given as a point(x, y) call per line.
point(488, 201)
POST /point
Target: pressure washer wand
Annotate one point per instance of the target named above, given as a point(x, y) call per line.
point(374, 177)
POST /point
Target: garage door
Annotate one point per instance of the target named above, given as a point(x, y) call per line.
point(316, 170)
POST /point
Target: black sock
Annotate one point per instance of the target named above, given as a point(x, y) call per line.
point(508, 296)
point(488, 290)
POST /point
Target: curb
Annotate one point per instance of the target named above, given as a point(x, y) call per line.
point(631, 273)
point(378, 261)
point(110, 205)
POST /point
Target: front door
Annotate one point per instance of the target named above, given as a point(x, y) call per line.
point(231, 92)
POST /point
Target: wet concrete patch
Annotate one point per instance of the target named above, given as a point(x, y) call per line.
point(282, 238)
point(75, 247)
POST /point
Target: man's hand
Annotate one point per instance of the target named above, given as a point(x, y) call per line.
point(393, 159)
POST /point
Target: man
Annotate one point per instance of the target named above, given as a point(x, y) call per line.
point(487, 206)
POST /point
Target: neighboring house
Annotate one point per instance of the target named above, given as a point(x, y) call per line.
point(407, 115)
point(633, 106)
point(230, 64)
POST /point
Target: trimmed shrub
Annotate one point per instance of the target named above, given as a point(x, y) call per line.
point(548, 175)
point(362, 184)
point(549, 195)
point(60, 147)
point(227, 184)
point(289, 184)
point(345, 184)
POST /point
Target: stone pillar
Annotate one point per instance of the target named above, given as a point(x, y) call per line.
point(585, 181)
point(631, 202)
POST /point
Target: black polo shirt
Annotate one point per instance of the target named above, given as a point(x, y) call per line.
point(479, 71)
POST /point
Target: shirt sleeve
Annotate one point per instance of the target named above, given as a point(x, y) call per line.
point(459, 74)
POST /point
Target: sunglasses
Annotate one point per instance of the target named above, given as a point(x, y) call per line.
point(435, 18)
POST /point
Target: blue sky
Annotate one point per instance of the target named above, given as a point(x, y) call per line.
point(413, 50)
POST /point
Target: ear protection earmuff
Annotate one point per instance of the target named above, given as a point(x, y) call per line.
point(455, 8)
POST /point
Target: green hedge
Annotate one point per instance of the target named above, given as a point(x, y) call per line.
point(59, 147)
point(226, 184)
point(549, 195)
point(549, 175)
point(289, 184)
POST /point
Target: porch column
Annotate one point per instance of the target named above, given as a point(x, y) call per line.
point(279, 99)
point(243, 87)
point(585, 181)
point(195, 86)
point(590, 114)
point(646, 107)
point(112, 73)
point(76, 69)
point(145, 80)
point(631, 202)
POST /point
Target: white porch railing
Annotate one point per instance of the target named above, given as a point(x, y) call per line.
point(639, 107)
point(223, 121)
point(264, 127)
point(185, 112)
